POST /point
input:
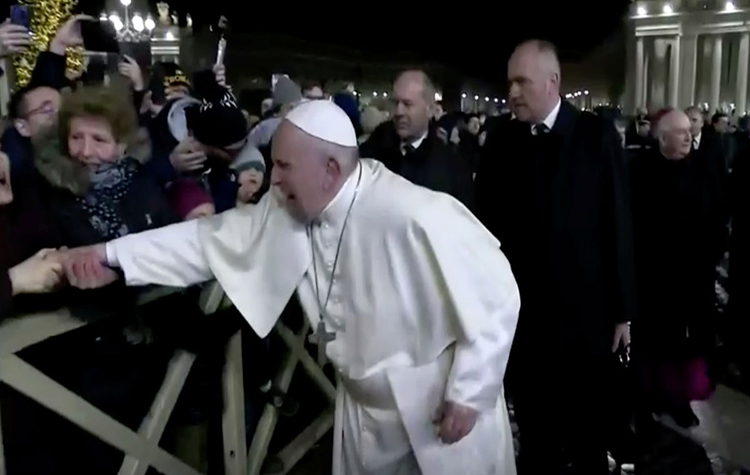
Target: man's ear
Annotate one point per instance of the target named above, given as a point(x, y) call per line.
point(121, 149)
point(22, 126)
point(334, 169)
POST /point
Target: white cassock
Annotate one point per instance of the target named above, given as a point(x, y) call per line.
point(423, 304)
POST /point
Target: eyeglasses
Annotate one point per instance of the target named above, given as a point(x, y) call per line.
point(47, 109)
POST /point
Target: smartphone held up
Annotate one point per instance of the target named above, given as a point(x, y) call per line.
point(20, 15)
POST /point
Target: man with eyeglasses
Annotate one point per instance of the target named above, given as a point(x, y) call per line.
point(34, 107)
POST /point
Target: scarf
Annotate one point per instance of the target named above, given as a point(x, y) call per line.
point(110, 183)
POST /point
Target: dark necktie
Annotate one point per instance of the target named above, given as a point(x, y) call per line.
point(408, 149)
point(541, 129)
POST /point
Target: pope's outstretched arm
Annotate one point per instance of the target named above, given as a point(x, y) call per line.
point(170, 256)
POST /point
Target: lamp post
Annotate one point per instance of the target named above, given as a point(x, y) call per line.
point(131, 29)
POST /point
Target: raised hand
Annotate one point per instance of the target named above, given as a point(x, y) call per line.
point(220, 71)
point(129, 68)
point(188, 156)
point(13, 39)
point(454, 421)
point(69, 35)
point(85, 268)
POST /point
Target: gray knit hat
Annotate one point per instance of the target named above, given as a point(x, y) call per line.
point(249, 158)
point(286, 91)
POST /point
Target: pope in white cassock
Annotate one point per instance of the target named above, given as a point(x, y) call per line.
point(413, 295)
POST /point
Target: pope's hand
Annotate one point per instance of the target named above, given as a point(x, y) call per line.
point(85, 269)
point(454, 421)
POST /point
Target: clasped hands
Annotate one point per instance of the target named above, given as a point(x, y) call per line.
point(49, 269)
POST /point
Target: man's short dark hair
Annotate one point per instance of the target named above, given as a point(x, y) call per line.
point(717, 117)
point(16, 103)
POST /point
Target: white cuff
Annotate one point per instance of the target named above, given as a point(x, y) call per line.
point(111, 254)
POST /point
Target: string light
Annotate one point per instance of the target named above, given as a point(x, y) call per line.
point(47, 16)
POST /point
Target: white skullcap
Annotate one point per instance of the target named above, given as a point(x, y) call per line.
point(324, 120)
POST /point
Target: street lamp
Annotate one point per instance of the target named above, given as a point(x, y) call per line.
point(642, 11)
point(130, 29)
point(730, 7)
point(667, 9)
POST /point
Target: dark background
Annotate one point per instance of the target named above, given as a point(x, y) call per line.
point(475, 39)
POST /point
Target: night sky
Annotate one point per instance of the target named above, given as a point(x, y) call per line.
point(474, 38)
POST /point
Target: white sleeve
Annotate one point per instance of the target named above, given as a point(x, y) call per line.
point(170, 256)
point(480, 287)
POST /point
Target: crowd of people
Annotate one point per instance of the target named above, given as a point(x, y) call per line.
point(604, 224)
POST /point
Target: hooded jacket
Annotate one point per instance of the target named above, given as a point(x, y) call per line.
point(143, 207)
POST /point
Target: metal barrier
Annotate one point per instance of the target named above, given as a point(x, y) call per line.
point(141, 448)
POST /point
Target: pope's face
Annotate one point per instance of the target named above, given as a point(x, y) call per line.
point(301, 176)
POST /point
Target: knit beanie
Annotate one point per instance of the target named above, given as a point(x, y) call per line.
point(185, 195)
point(286, 91)
point(249, 158)
point(219, 121)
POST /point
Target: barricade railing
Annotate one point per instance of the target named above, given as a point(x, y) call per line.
point(141, 447)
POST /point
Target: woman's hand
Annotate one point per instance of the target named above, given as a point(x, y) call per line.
point(39, 274)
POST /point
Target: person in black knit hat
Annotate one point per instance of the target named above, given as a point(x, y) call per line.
point(198, 136)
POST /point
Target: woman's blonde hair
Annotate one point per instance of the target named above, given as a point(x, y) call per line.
point(113, 103)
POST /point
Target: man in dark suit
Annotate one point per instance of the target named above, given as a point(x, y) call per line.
point(410, 147)
point(552, 188)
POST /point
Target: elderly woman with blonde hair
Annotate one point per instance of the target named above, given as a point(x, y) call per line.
point(98, 190)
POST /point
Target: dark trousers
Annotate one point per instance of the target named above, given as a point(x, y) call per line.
point(561, 416)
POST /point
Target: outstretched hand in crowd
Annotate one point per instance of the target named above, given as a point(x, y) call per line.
point(85, 268)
